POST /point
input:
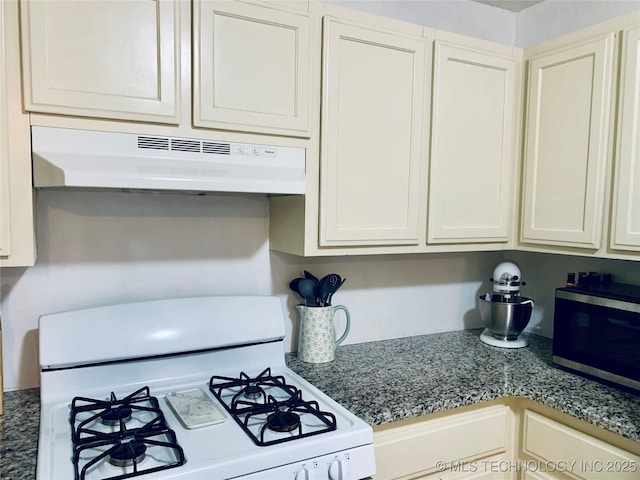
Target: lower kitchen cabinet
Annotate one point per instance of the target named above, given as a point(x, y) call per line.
point(625, 222)
point(560, 449)
point(444, 446)
point(505, 439)
point(17, 242)
point(490, 468)
point(537, 476)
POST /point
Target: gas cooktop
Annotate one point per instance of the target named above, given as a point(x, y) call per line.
point(193, 395)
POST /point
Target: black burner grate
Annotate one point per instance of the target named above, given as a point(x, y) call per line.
point(270, 418)
point(120, 432)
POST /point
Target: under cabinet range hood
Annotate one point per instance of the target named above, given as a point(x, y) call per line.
point(80, 158)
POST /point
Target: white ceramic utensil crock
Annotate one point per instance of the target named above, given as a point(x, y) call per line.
point(317, 340)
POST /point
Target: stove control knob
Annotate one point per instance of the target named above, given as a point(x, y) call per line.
point(303, 474)
point(337, 470)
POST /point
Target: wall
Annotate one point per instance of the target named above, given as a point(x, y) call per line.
point(458, 16)
point(531, 26)
point(100, 248)
point(392, 296)
point(560, 17)
point(545, 272)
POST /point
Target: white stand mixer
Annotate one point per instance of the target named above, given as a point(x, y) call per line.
point(504, 312)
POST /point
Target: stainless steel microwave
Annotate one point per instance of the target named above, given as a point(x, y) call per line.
point(596, 332)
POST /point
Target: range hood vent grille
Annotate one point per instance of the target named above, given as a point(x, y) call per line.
point(219, 148)
point(183, 145)
point(155, 143)
point(180, 145)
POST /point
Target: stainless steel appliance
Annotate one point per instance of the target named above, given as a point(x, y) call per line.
point(191, 388)
point(596, 331)
point(505, 312)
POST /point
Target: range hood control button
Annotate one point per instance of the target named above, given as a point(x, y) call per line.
point(265, 151)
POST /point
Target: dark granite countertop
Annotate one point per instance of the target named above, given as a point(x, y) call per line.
point(19, 434)
point(391, 380)
point(432, 372)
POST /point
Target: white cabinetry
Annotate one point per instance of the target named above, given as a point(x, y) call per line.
point(446, 447)
point(17, 244)
point(373, 191)
point(372, 169)
point(251, 64)
point(564, 450)
point(509, 438)
point(5, 200)
point(534, 475)
point(625, 222)
point(251, 68)
point(473, 144)
point(107, 59)
point(366, 178)
point(567, 128)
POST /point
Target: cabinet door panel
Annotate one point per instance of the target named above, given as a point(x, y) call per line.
point(566, 146)
point(626, 219)
point(553, 443)
point(5, 199)
point(471, 145)
point(251, 69)
point(17, 228)
point(533, 475)
point(411, 451)
point(371, 173)
point(107, 59)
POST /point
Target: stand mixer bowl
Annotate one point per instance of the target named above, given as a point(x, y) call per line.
point(504, 320)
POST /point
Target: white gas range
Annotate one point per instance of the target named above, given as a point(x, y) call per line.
point(191, 388)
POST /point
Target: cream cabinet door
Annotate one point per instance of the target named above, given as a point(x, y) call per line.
point(371, 165)
point(17, 242)
point(472, 145)
point(567, 126)
point(106, 59)
point(445, 447)
point(574, 453)
point(535, 475)
point(251, 68)
point(625, 227)
point(5, 199)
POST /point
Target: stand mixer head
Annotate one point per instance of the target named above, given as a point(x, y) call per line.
point(504, 312)
point(507, 281)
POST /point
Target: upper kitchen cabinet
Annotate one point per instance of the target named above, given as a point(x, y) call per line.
point(17, 242)
point(372, 168)
point(625, 223)
point(366, 177)
point(474, 127)
point(567, 145)
point(108, 59)
point(251, 68)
